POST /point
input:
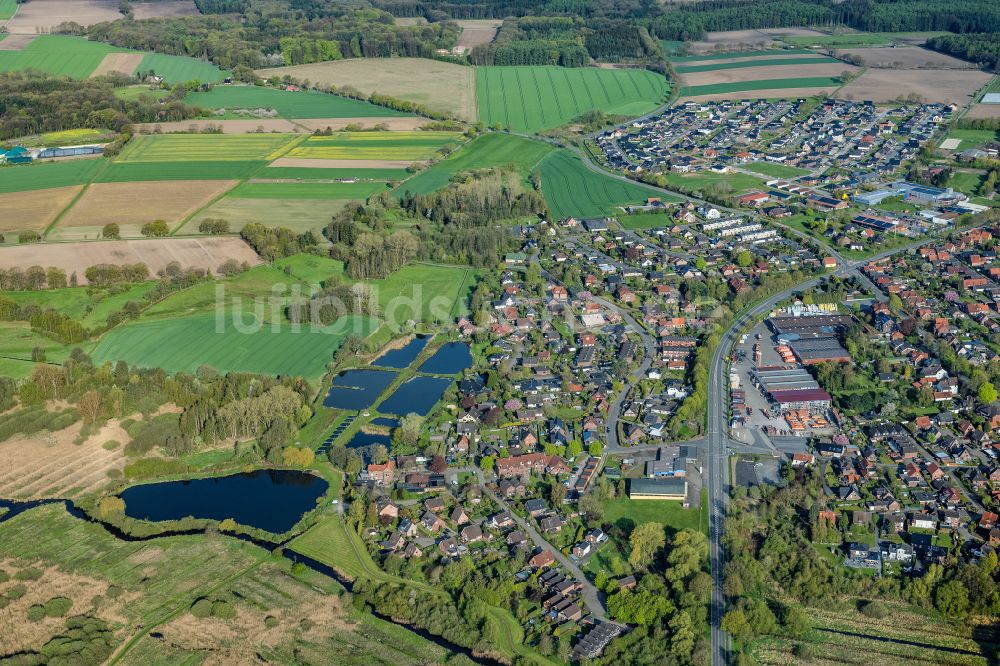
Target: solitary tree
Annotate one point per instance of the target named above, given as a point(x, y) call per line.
point(987, 393)
point(111, 231)
point(646, 539)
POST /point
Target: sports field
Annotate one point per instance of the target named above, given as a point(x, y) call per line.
point(573, 190)
point(488, 150)
point(184, 344)
point(303, 104)
point(535, 98)
point(388, 146)
point(321, 191)
point(200, 147)
point(181, 69)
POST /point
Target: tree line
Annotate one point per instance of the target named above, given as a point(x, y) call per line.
point(983, 49)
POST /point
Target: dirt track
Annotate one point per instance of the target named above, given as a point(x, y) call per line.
point(207, 253)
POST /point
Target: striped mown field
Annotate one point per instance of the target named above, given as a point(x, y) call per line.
point(201, 147)
point(533, 98)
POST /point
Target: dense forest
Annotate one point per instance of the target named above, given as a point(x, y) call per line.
point(33, 102)
point(983, 49)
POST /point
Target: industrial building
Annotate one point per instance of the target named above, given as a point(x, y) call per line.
point(793, 328)
point(811, 351)
point(669, 488)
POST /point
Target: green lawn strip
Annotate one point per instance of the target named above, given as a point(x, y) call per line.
point(486, 151)
point(764, 84)
point(571, 189)
point(815, 60)
point(629, 513)
point(736, 182)
point(129, 172)
point(360, 190)
point(775, 170)
point(321, 174)
point(7, 10)
point(646, 221)
point(741, 54)
point(43, 176)
point(301, 104)
point(965, 182)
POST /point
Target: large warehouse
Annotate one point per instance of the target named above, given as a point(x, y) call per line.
point(670, 488)
point(810, 351)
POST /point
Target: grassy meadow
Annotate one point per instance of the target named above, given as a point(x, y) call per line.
point(302, 104)
point(763, 84)
point(389, 146)
point(181, 69)
point(531, 98)
point(311, 191)
point(183, 344)
point(571, 189)
point(488, 150)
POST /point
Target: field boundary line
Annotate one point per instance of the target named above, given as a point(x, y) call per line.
point(294, 143)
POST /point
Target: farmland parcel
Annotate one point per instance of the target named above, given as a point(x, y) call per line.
point(302, 104)
point(440, 86)
point(573, 190)
point(534, 98)
point(186, 343)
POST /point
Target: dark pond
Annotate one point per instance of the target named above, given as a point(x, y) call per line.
point(404, 356)
point(386, 422)
point(416, 395)
point(357, 389)
point(272, 500)
point(450, 359)
point(363, 439)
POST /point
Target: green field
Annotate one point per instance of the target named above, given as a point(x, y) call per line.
point(311, 269)
point(306, 190)
point(320, 174)
point(188, 148)
point(17, 342)
point(670, 513)
point(7, 9)
point(304, 104)
point(741, 54)
point(25, 177)
point(60, 55)
point(776, 170)
point(646, 221)
point(181, 69)
point(186, 343)
point(571, 189)
point(127, 172)
point(762, 84)
point(734, 182)
point(489, 150)
point(419, 291)
point(395, 146)
point(860, 39)
point(967, 183)
point(535, 98)
point(971, 138)
point(693, 68)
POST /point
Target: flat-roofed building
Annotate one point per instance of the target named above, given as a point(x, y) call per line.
point(811, 351)
point(670, 488)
